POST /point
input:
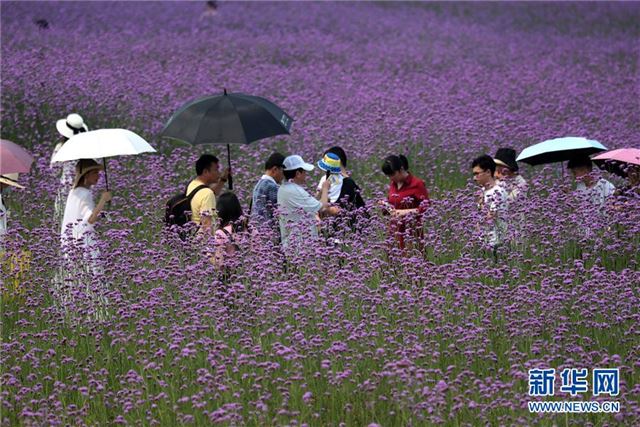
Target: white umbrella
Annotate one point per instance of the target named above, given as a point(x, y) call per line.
point(559, 150)
point(102, 143)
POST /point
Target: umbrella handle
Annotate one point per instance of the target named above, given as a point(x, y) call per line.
point(106, 177)
point(229, 178)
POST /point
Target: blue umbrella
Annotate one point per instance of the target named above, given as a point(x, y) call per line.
point(559, 150)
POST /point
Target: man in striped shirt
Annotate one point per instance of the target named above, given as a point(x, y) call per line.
point(265, 194)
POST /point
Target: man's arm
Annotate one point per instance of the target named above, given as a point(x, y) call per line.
point(219, 185)
point(208, 213)
point(206, 224)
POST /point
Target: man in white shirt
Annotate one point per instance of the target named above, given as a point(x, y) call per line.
point(298, 209)
point(494, 201)
point(596, 192)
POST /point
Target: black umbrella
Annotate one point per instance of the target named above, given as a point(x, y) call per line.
point(233, 118)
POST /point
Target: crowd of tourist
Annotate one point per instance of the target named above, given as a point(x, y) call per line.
point(287, 215)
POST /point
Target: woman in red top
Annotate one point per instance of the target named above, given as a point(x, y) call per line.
point(408, 198)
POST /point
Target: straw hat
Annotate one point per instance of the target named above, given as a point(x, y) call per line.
point(10, 179)
point(83, 167)
point(72, 125)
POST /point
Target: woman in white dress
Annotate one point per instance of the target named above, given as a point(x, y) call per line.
point(77, 236)
point(72, 125)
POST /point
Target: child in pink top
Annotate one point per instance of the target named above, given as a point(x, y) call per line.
point(229, 213)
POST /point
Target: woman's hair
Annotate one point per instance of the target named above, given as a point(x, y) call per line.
point(83, 167)
point(229, 211)
point(338, 151)
point(393, 164)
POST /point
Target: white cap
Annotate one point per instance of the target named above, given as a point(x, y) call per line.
point(294, 162)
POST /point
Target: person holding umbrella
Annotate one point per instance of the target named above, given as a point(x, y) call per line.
point(596, 192)
point(81, 213)
point(624, 162)
point(77, 232)
point(72, 125)
point(206, 185)
point(13, 160)
point(632, 188)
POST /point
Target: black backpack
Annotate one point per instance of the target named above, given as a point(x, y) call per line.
point(178, 207)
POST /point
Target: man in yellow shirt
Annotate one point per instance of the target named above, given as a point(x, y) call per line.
point(203, 203)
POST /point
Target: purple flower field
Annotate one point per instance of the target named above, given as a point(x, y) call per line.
point(357, 333)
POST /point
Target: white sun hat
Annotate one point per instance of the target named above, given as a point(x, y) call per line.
point(72, 125)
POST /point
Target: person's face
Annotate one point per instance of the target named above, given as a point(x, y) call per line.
point(633, 175)
point(398, 176)
point(301, 177)
point(481, 176)
point(213, 173)
point(580, 173)
point(278, 173)
point(91, 178)
point(503, 172)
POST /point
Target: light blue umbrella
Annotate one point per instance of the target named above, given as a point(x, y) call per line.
point(559, 150)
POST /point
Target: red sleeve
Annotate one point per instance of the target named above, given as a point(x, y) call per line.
point(423, 196)
point(389, 194)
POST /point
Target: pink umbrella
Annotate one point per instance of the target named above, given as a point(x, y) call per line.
point(618, 161)
point(13, 158)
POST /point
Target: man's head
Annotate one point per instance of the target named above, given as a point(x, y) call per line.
point(295, 169)
point(208, 169)
point(483, 168)
point(506, 165)
point(580, 167)
point(396, 168)
point(274, 167)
